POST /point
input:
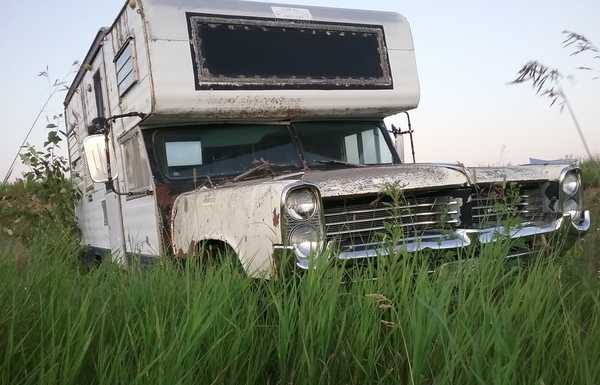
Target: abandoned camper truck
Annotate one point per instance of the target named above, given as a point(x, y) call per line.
point(259, 128)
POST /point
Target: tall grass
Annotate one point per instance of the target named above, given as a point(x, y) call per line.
point(485, 323)
point(590, 170)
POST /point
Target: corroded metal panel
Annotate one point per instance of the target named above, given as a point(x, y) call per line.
point(370, 180)
point(245, 216)
point(516, 173)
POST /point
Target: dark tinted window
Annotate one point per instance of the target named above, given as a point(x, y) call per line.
point(268, 54)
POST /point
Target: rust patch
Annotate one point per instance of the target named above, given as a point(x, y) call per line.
point(193, 248)
point(276, 218)
point(165, 198)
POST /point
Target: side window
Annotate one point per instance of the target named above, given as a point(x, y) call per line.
point(98, 95)
point(384, 154)
point(125, 63)
point(367, 147)
point(136, 167)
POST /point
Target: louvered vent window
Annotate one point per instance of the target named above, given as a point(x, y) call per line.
point(126, 68)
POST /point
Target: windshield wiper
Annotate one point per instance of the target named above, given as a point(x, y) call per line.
point(261, 165)
point(333, 162)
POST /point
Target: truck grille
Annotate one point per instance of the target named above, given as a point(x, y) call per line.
point(494, 206)
point(356, 224)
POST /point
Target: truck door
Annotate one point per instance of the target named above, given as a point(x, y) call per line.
point(116, 231)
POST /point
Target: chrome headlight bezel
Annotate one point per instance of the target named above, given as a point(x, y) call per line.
point(571, 184)
point(301, 204)
point(309, 239)
point(571, 194)
point(292, 223)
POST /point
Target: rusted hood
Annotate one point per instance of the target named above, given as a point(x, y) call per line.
point(548, 172)
point(370, 180)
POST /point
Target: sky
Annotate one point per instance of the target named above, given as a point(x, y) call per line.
point(467, 52)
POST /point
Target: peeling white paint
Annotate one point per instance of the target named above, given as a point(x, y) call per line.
point(371, 180)
point(240, 215)
point(517, 173)
point(247, 215)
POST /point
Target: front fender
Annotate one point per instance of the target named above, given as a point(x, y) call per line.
point(247, 217)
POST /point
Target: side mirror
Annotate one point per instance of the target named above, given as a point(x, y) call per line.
point(94, 147)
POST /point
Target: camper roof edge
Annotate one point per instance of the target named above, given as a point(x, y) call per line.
point(89, 58)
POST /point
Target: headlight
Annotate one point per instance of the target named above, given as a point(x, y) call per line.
point(306, 239)
point(301, 204)
point(571, 184)
point(570, 206)
point(572, 195)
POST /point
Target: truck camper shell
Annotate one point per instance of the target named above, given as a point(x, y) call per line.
point(235, 60)
point(182, 62)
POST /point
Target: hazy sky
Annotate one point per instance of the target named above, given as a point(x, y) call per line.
point(467, 51)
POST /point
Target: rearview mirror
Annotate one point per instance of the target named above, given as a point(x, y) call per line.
point(94, 147)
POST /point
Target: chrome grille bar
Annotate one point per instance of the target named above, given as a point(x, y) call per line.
point(354, 224)
point(490, 207)
point(393, 217)
point(381, 228)
point(388, 209)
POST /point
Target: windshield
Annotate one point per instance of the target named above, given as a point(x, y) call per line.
point(231, 150)
point(354, 143)
point(225, 150)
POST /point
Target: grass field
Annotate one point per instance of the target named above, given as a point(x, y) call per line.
point(483, 323)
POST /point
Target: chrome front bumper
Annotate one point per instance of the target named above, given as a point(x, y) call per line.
point(465, 237)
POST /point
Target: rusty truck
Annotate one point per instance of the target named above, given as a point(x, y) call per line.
point(261, 129)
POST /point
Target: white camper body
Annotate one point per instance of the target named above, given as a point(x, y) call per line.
point(144, 63)
point(182, 70)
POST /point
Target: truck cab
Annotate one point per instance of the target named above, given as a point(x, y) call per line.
point(261, 129)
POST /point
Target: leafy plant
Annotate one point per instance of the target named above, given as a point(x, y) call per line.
point(55, 87)
point(45, 195)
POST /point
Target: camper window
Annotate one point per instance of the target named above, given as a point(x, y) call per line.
point(126, 68)
point(268, 54)
point(99, 95)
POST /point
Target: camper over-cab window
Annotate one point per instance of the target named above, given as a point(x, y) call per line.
point(267, 54)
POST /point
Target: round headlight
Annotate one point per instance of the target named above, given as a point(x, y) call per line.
point(571, 207)
point(305, 239)
point(301, 204)
point(570, 185)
